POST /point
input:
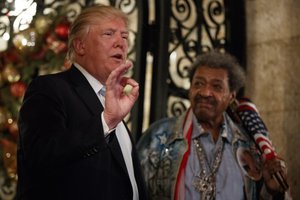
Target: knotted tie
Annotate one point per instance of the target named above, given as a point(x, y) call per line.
point(101, 95)
point(123, 149)
point(102, 91)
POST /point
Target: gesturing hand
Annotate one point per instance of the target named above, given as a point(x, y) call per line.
point(118, 103)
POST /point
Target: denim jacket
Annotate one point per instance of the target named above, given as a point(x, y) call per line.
point(161, 151)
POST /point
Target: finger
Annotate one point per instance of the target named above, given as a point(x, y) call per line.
point(124, 81)
point(130, 86)
point(278, 166)
point(282, 163)
point(116, 75)
point(135, 91)
point(127, 65)
point(130, 81)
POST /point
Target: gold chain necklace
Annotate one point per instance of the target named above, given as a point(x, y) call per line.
point(203, 182)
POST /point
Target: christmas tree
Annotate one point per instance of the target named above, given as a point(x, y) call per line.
point(37, 50)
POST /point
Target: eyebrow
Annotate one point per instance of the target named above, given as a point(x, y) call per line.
point(115, 30)
point(203, 78)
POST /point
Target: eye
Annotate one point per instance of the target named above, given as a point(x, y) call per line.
point(125, 36)
point(108, 33)
point(217, 87)
point(198, 84)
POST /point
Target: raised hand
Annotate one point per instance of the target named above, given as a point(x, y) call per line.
point(118, 103)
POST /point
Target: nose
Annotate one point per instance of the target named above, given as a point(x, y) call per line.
point(205, 91)
point(119, 41)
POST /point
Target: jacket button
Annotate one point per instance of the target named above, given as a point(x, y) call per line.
point(95, 150)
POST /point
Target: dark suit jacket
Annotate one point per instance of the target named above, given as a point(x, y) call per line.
point(62, 152)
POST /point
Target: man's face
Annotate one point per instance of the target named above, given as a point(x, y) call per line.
point(105, 47)
point(209, 94)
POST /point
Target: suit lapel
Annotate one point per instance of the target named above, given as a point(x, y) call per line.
point(90, 99)
point(85, 91)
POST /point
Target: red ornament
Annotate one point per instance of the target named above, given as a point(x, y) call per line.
point(62, 30)
point(18, 89)
point(56, 45)
point(11, 56)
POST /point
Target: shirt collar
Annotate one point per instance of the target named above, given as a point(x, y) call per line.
point(227, 131)
point(95, 84)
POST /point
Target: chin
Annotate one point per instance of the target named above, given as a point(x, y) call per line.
point(203, 115)
point(118, 61)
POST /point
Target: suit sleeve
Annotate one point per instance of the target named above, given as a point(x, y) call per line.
point(48, 137)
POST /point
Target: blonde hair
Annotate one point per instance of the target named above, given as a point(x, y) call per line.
point(90, 16)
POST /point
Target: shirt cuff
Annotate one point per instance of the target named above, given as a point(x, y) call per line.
point(105, 127)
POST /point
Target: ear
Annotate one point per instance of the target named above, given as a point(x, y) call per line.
point(232, 96)
point(79, 46)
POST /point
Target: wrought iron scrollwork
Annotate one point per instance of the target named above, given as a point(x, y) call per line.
point(214, 23)
point(127, 6)
point(196, 26)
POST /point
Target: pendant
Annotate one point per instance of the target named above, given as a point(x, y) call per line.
point(205, 185)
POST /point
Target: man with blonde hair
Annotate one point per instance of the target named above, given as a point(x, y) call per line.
point(73, 142)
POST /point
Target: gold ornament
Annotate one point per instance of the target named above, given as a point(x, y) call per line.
point(13, 128)
point(10, 74)
point(42, 24)
point(9, 149)
point(27, 41)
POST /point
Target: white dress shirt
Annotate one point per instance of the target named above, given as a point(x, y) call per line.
point(121, 131)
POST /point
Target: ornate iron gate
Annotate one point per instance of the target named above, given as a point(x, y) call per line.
point(179, 30)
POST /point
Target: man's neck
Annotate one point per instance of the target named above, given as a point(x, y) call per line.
point(213, 127)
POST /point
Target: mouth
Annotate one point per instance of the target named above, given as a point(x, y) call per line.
point(118, 57)
point(205, 104)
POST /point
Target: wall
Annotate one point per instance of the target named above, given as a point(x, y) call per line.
point(273, 71)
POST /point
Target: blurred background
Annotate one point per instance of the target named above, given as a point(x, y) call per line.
point(165, 37)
